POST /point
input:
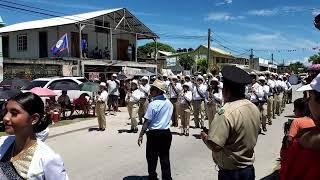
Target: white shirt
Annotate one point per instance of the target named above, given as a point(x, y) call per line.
point(257, 93)
point(289, 86)
point(134, 97)
point(103, 97)
point(43, 135)
point(113, 87)
point(184, 97)
point(190, 84)
point(284, 85)
point(271, 83)
point(45, 164)
point(171, 93)
point(202, 89)
point(144, 90)
point(266, 90)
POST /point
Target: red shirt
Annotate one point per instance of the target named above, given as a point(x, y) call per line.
point(80, 102)
point(300, 163)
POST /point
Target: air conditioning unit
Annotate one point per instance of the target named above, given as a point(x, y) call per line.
point(317, 22)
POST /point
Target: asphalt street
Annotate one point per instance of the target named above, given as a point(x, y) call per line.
point(115, 155)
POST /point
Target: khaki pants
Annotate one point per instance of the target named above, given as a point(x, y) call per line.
point(263, 114)
point(175, 115)
point(101, 110)
point(133, 109)
point(278, 100)
point(143, 104)
point(211, 110)
point(270, 109)
point(184, 112)
point(197, 110)
point(284, 100)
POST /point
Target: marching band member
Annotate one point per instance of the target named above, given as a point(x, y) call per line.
point(213, 98)
point(132, 99)
point(184, 102)
point(173, 92)
point(144, 88)
point(199, 91)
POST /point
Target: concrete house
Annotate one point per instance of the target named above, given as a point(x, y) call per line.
point(109, 34)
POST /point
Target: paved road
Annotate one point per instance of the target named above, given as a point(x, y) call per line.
point(111, 155)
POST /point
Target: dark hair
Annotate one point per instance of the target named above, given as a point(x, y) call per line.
point(301, 105)
point(237, 90)
point(32, 103)
point(317, 96)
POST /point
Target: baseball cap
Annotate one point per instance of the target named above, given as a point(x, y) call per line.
point(103, 84)
point(314, 85)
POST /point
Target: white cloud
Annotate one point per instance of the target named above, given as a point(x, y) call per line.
point(225, 2)
point(265, 37)
point(63, 5)
point(263, 12)
point(222, 16)
point(277, 11)
point(315, 12)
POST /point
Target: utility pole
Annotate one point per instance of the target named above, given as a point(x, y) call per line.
point(210, 63)
point(271, 61)
point(251, 59)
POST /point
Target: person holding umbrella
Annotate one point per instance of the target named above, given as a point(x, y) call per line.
point(101, 99)
point(65, 103)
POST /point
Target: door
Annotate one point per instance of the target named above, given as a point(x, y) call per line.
point(122, 47)
point(75, 46)
point(5, 46)
point(43, 44)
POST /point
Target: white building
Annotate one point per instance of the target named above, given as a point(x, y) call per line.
point(26, 45)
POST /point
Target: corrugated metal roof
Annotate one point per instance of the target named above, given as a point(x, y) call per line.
point(57, 21)
point(134, 23)
point(219, 50)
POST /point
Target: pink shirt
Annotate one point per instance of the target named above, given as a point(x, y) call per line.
point(298, 124)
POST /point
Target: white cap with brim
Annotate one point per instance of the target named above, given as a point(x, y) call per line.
point(114, 75)
point(314, 85)
point(103, 84)
point(144, 78)
point(134, 82)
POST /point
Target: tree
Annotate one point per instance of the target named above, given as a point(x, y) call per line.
point(296, 67)
point(315, 59)
point(186, 61)
point(147, 49)
point(202, 65)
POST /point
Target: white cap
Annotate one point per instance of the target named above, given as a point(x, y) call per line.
point(200, 77)
point(134, 81)
point(114, 75)
point(314, 85)
point(144, 78)
point(103, 84)
point(186, 84)
point(174, 77)
point(262, 78)
point(267, 72)
point(215, 79)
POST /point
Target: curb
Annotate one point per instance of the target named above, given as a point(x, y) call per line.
point(68, 132)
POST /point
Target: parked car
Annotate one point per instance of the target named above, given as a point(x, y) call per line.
point(52, 81)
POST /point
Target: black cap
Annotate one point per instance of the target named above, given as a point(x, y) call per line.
point(236, 75)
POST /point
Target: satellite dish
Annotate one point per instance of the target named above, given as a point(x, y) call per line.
point(293, 79)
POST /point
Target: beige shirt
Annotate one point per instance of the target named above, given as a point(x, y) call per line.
point(235, 128)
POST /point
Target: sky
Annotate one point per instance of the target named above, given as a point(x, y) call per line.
point(284, 28)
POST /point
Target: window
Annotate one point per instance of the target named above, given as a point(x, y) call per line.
point(22, 42)
point(65, 84)
point(35, 84)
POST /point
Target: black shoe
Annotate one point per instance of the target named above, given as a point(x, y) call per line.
point(135, 130)
point(140, 123)
point(264, 129)
point(102, 129)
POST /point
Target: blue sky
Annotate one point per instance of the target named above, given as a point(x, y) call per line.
point(239, 25)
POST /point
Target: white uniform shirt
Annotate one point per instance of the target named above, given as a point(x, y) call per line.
point(135, 96)
point(113, 87)
point(190, 84)
point(258, 95)
point(144, 90)
point(185, 96)
point(266, 90)
point(202, 89)
point(284, 85)
point(271, 83)
point(171, 93)
point(103, 97)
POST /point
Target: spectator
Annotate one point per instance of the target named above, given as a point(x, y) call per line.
point(65, 103)
point(82, 103)
point(113, 90)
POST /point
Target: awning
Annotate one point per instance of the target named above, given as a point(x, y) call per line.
point(128, 71)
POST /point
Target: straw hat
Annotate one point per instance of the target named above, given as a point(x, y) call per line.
point(159, 85)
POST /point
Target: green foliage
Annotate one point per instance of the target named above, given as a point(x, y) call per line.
point(315, 59)
point(147, 49)
point(202, 65)
point(186, 61)
point(296, 67)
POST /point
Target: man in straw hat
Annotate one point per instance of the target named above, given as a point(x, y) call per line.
point(159, 137)
point(101, 100)
point(234, 133)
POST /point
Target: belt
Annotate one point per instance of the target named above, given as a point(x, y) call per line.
point(198, 100)
point(234, 170)
point(143, 98)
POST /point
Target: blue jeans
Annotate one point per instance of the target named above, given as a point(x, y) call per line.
point(238, 174)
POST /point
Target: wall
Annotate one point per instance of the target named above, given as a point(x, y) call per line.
point(95, 39)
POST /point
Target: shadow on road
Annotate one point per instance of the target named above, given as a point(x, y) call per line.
point(197, 136)
point(136, 178)
point(93, 129)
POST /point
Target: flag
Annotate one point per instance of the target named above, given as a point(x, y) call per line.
point(61, 45)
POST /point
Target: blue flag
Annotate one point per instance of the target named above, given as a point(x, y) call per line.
point(61, 45)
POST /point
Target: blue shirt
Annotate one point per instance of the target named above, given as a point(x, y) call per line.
point(159, 113)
